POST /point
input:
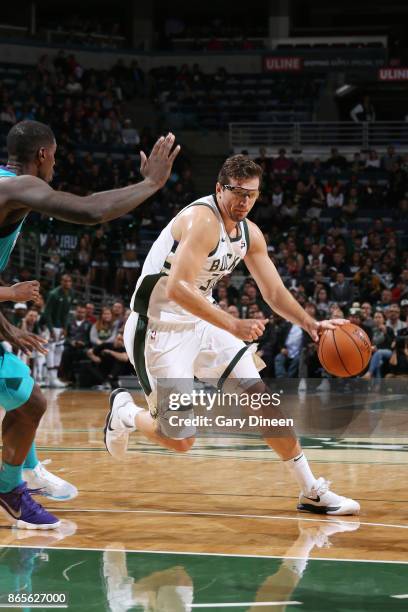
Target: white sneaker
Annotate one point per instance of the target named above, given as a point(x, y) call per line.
point(324, 386)
point(302, 385)
point(321, 500)
point(56, 383)
point(52, 486)
point(116, 433)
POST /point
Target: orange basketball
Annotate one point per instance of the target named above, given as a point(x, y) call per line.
point(344, 351)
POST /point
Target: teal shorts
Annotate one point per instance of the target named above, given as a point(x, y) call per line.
point(16, 382)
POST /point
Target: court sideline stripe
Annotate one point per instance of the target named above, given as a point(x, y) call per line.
point(246, 604)
point(203, 554)
point(228, 515)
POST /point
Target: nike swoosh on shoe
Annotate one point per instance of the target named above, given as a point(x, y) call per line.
point(10, 510)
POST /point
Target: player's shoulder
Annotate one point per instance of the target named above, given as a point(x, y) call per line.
point(12, 186)
point(21, 179)
point(254, 230)
point(202, 210)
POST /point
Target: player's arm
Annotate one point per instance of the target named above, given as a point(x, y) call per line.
point(197, 233)
point(28, 291)
point(101, 207)
point(274, 291)
point(19, 338)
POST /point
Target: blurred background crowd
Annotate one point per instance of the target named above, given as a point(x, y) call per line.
point(335, 226)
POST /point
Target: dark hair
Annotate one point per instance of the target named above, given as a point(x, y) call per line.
point(238, 167)
point(26, 138)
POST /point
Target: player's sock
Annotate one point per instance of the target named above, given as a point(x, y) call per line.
point(10, 477)
point(31, 461)
point(128, 412)
point(299, 468)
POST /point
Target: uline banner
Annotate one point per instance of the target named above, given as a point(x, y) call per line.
point(297, 60)
point(393, 74)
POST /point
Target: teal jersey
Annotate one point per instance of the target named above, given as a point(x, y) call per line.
point(9, 234)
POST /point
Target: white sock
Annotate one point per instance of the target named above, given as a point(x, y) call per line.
point(299, 468)
point(127, 414)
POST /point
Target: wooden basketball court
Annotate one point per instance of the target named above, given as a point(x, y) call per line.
point(216, 528)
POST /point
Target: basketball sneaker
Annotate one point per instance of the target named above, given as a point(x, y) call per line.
point(116, 432)
point(51, 486)
point(321, 500)
point(23, 512)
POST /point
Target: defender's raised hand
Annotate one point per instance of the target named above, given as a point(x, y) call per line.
point(157, 167)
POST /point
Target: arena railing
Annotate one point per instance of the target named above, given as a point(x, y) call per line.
point(29, 257)
point(317, 138)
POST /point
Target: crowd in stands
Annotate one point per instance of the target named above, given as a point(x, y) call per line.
point(189, 97)
point(84, 348)
point(336, 228)
point(337, 235)
point(82, 106)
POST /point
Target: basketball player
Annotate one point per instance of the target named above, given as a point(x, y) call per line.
point(176, 332)
point(24, 187)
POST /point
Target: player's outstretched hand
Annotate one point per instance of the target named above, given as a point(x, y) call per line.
point(27, 342)
point(157, 167)
point(249, 329)
point(29, 291)
point(317, 327)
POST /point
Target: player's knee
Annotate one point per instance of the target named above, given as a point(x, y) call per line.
point(182, 446)
point(37, 404)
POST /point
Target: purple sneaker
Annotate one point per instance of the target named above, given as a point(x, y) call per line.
point(23, 512)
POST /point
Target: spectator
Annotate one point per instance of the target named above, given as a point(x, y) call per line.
point(363, 111)
point(366, 313)
point(399, 358)
point(392, 313)
point(90, 310)
point(290, 342)
point(322, 304)
point(76, 343)
point(336, 163)
point(29, 324)
point(382, 340)
point(118, 314)
point(277, 195)
point(129, 268)
point(355, 317)
point(55, 316)
point(389, 159)
point(335, 199)
point(341, 292)
point(104, 330)
point(130, 136)
point(233, 310)
point(373, 161)
point(281, 164)
point(19, 313)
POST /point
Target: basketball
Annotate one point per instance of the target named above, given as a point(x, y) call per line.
point(344, 351)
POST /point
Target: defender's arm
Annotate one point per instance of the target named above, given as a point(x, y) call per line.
point(36, 195)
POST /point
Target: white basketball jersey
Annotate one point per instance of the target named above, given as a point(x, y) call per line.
point(150, 298)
